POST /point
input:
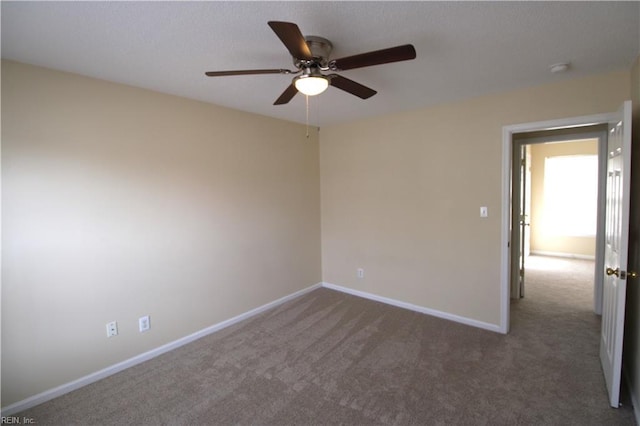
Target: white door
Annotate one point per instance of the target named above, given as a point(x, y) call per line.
point(526, 190)
point(616, 245)
point(525, 198)
point(518, 223)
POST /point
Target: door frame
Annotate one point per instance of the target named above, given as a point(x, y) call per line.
point(510, 132)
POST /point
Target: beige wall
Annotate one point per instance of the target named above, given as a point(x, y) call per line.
point(631, 356)
point(401, 194)
point(119, 202)
point(541, 240)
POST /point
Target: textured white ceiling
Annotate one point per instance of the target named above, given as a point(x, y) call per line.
point(464, 49)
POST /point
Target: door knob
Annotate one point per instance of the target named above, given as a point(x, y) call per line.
point(623, 275)
point(615, 272)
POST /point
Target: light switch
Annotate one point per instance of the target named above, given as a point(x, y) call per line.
point(484, 211)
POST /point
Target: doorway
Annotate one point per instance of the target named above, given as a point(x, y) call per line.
point(561, 129)
point(557, 186)
point(611, 240)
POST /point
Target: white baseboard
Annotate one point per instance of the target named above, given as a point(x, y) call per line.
point(561, 254)
point(416, 308)
point(116, 368)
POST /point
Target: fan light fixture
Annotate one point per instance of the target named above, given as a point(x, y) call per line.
point(311, 85)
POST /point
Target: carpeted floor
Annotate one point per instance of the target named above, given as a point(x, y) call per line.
point(331, 358)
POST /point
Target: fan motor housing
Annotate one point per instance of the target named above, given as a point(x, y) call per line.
point(320, 50)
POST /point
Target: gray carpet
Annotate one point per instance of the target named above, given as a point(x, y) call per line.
point(331, 358)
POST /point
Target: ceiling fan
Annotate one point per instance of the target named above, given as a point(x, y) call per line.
point(311, 58)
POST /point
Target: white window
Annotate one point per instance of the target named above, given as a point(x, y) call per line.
point(571, 195)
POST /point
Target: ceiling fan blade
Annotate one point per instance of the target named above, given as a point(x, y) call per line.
point(247, 72)
point(287, 95)
point(294, 41)
point(351, 86)
point(377, 57)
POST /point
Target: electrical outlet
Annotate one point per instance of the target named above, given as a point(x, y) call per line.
point(360, 273)
point(144, 323)
point(112, 329)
